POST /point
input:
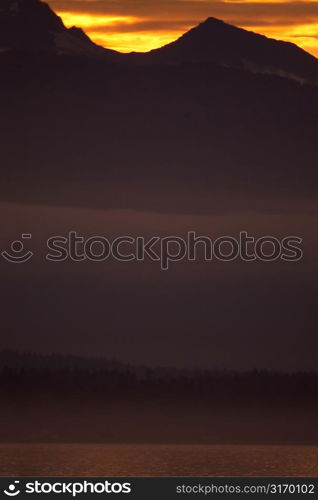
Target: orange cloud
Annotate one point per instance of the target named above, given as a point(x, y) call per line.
point(128, 25)
point(90, 21)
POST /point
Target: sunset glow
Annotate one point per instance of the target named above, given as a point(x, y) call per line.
point(91, 21)
point(141, 26)
point(133, 42)
point(305, 36)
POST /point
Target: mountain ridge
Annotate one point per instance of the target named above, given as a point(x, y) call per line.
point(31, 25)
point(150, 135)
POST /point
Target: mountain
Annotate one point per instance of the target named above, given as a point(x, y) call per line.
point(186, 128)
point(218, 42)
point(31, 26)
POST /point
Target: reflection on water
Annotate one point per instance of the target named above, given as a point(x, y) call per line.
point(156, 460)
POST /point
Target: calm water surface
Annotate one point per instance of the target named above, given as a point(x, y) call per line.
point(156, 460)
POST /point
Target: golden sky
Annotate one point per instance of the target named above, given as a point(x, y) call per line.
point(141, 25)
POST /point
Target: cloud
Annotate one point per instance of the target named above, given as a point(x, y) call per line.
point(144, 24)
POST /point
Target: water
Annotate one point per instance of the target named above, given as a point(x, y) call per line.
point(156, 460)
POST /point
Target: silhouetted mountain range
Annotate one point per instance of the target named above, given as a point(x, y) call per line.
point(31, 25)
point(200, 131)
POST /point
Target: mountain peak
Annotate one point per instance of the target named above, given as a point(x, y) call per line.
point(33, 13)
point(213, 21)
point(214, 41)
point(31, 25)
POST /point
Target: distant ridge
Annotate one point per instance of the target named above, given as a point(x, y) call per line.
point(17, 361)
point(96, 405)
